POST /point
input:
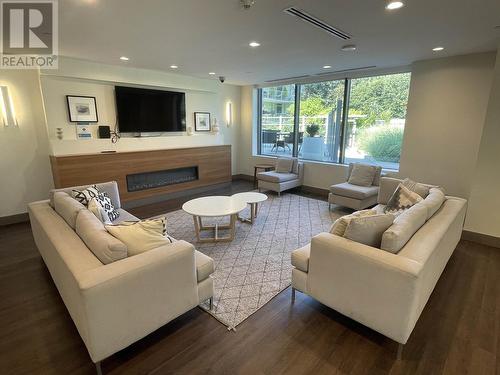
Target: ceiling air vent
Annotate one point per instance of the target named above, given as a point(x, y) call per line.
point(346, 70)
point(317, 22)
point(286, 79)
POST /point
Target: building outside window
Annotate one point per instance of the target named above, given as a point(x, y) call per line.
point(340, 121)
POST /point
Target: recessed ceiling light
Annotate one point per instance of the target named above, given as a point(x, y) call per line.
point(391, 5)
point(124, 58)
point(327, 67)
point(254, 44)
point(212, 73)
point(348, 48)
point(437, 49)
point(174, 66)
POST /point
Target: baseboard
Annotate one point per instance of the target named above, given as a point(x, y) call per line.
point(315, 191)
point(483, 239)
point(14, 219)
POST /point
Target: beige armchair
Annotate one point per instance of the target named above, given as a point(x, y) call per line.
point(355, 196)
point(279, 181)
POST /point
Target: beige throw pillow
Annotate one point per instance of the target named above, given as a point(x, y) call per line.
point(362, 175)
point(416, 187)
point(104, 246)
point(99, 211)
point(340, 225)
point(284, 165)
point(402, 199)
point(141, 236)
point(434, 201)
point(368, 230)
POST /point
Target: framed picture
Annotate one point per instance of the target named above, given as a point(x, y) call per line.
point(82, 108)
point(202, 121)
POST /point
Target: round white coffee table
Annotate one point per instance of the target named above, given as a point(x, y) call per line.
point(214, 207)
point(253, 199)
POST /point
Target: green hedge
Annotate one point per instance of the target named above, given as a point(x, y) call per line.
point(382, 143)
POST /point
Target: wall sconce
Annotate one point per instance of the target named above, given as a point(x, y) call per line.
point(7, 107)
point(229, 114)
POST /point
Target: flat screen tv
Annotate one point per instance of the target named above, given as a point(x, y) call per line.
point(148, 111)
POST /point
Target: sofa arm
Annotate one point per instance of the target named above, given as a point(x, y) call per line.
point(373, 287)
point(128, 299)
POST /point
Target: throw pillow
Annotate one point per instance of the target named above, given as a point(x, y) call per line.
point(402, 199)
point(141, 236)
point(92, 192)
point(339, 226)
point(99, 211)
point(368, 230)
point(362, 175)
point(434, 201)
point(416, 187)
point(284, 165)
point(67, 207)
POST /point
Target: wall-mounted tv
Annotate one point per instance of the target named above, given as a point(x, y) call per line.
point(146, 111)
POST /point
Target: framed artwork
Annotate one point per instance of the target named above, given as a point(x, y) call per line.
point(82, 108)
point(202, 122)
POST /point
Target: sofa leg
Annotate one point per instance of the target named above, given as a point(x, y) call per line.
point(98, 368)
point(400, 352)
point(293, 294)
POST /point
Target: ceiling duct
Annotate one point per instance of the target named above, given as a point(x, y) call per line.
point(317, 22)
point(345, 70)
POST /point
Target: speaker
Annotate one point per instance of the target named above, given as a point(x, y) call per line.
point(104, 132)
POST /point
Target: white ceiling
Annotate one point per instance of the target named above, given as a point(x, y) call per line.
point(201, 36)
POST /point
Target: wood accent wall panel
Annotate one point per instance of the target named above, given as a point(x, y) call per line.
point(213, 162)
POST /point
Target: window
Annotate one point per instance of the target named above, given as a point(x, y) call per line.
point(340, 121)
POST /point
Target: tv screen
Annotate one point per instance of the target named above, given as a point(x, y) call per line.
point(146, 111)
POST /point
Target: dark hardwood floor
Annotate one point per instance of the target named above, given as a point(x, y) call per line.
point(458, 332)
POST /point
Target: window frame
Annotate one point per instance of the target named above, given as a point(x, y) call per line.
point(296, 125)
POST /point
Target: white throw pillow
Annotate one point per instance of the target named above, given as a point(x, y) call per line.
point(362, 175)
point(99, 211)
point(368, 230)
point(340, 225)
point(141, 236)
point(434, 201)
point(402, 199)
point(404, 227)
point(284, 165)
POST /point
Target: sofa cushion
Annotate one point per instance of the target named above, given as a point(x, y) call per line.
point(434, 201)
point(104, 246)
point(416, 187)
point(346, 189)
point(402, 199)
point(300, 258)
point(141, 236)
point(204, 266)
point(362, 175)
point(368, 230)
point(295, 167)
point(403, 228)
point(340, 225)
point(111, 188)
point(376, 178)
point(284, 165)
point(276, 177)
point(67, 207)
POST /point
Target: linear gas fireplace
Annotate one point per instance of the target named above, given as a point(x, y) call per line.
point(151, 180)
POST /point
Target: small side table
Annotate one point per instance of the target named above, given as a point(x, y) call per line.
point(265, 167)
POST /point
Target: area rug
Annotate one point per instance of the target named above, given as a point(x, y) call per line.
point(256, 266)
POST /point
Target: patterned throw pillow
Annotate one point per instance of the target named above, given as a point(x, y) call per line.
point(402, 199)
point(102, 198)
point(141, 236)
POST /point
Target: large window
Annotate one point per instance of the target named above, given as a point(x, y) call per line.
point(339, 121)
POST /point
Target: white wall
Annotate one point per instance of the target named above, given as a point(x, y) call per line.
point(446, 111)
point(77, 77)
point(24, 150)
point(484, 204)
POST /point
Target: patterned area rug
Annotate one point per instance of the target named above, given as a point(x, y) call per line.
point(255, 266)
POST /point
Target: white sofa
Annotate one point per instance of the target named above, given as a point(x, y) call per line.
point(384, 291)
point(116, 304)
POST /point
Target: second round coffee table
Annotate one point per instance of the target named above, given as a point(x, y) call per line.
point(253, 199)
